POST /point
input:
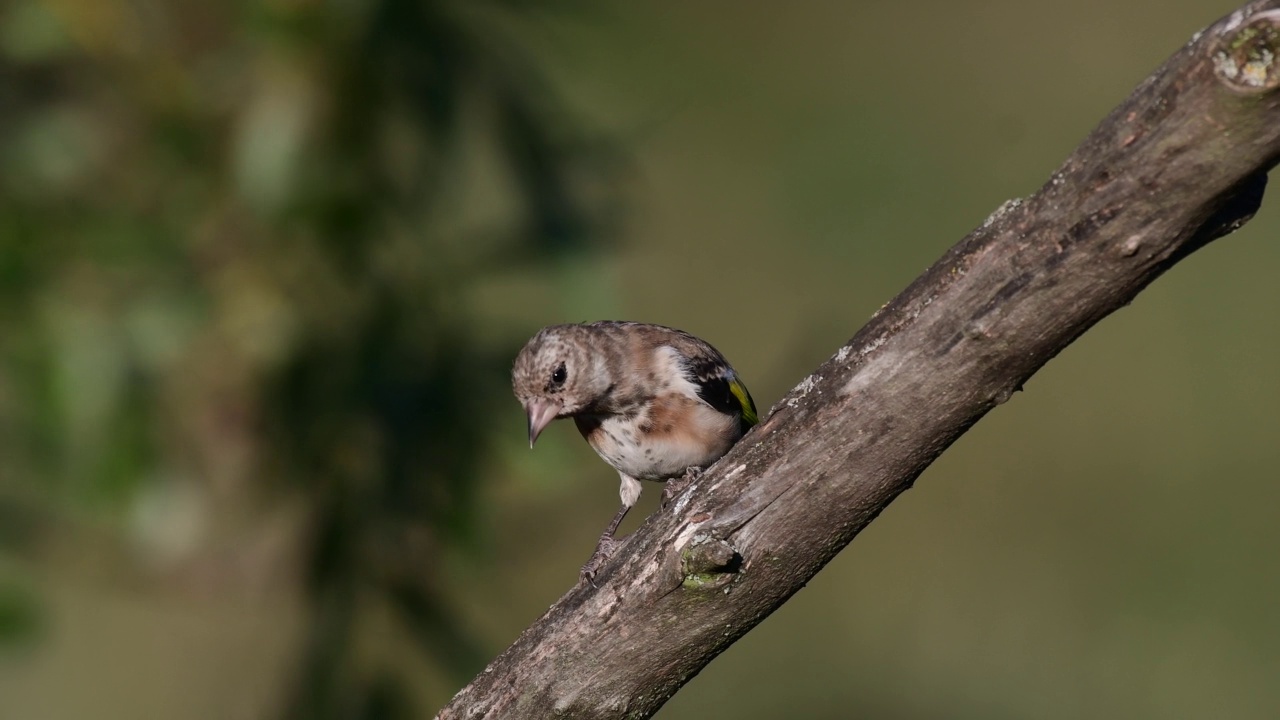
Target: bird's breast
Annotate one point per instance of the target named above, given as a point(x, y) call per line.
point(661, 439)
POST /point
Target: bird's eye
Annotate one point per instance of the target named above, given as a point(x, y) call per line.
point(559, 375)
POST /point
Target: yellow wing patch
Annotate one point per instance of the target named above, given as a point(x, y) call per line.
point(744, 398)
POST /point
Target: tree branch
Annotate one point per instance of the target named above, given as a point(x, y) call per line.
point(1181, 162)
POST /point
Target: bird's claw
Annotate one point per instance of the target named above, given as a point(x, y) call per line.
point(675, 486)
point(604, 550)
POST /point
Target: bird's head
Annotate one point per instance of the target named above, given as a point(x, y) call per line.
point(559, 372)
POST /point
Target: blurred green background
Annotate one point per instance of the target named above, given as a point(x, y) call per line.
point(264, 266)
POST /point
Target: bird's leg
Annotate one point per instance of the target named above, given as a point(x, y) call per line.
point(675, 486)
point(605, 546)
point(629, 491)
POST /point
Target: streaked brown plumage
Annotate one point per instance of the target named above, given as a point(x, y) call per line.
point(651, 400)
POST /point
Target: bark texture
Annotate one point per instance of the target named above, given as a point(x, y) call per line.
point(1181, 162)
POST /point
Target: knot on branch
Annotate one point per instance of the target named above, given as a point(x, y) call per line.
point(1247, 59)
point(708, 563)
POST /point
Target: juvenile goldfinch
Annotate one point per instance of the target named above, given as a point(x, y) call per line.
point(653, 401)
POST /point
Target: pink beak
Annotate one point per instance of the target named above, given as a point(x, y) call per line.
point(541, 413)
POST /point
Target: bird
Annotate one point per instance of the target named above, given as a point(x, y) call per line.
point(656, 403)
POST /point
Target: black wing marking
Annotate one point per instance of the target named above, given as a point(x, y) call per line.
point(719, 387)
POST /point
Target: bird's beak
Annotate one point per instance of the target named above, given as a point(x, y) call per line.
point(541, 413)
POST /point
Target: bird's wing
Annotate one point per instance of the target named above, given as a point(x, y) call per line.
point(713, 378)
point(718, 385)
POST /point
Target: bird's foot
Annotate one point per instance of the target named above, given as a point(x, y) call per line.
point(675, 486)
point(605, 549)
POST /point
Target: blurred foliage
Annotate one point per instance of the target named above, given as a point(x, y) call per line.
point(20, 619)
point(233, 243)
